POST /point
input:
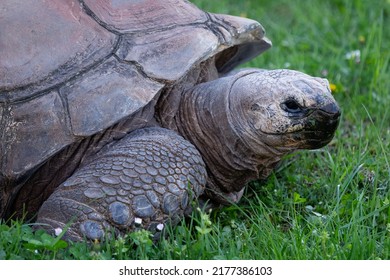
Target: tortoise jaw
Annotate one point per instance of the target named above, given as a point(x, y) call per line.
point(321, 126)
point(318, 129)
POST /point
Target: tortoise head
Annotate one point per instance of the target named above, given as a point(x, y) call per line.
point(286, 109)
point(244, 123)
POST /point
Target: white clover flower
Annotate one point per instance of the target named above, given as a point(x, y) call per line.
point(57, 231)
point(160, 227)
point(353, 55)
point(138, 221)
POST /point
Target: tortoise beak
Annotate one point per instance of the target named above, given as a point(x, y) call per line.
point(321, 125)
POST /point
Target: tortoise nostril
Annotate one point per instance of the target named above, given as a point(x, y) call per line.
point(331, 109)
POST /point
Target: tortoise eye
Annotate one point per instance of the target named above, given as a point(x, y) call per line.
point(291, 106)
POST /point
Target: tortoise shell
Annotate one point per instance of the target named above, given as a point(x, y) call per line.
point(70, 69)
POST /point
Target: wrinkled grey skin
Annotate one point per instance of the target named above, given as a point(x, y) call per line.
point(138, 115)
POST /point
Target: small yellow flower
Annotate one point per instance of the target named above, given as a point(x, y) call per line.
point(333, 87)
point(362, 39)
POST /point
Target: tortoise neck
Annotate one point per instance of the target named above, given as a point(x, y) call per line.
point(232, 157)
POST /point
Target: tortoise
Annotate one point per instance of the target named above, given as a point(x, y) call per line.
point(117, 115)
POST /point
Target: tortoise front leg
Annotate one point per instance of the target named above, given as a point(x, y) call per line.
point(146, 179)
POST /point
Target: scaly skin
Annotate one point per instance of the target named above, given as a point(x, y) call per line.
point(146, 179)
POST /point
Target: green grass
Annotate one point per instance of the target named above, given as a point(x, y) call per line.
point(331, 203)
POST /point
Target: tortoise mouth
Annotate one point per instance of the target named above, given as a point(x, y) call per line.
point(320, 128)
point(315, 132)
point(317, 139)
